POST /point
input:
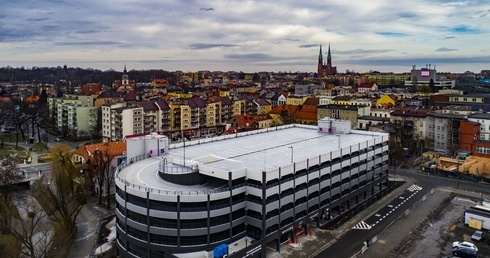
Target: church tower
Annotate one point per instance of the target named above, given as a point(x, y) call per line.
point(320, 62)
point(329, 57)
point(328, 69)
point(125, 77)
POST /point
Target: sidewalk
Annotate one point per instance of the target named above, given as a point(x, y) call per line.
point(89, 221)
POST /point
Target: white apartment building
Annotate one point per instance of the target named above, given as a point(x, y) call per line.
point(73, 114)
point(120, 120)
point(484, 120)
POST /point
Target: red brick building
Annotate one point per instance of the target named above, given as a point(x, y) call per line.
point(328, 69)
point(469, 132)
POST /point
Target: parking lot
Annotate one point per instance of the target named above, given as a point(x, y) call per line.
point(440, 230)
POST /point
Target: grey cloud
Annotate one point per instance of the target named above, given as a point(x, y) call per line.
point(86, 31)
point(443, 49)
point(252, 57)
point(410, 61)
point(88, 43)
point(309, 45)
point(198, 46)
point(450, 37)
point(408, 15)
point(363, 51)
point(40, 19)
point(206, 9)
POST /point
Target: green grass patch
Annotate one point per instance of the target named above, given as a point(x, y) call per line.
point(40, 148)
point(44, 158)
point(10, 149)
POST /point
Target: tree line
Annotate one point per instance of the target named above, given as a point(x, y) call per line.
point(79, 76)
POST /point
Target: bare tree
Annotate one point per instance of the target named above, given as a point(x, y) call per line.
point(109, 182)
point(30, 226)
point(62, 195)
point(98, 165)
point(9, 176)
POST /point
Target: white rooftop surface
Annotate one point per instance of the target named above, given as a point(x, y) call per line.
point(260, 151)
point(269, 150)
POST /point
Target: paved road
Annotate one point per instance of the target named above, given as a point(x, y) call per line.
point(372, 225)
point(350, 241)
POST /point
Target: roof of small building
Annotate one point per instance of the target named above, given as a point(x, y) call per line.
point(112, 148)
point(480, 115)
point(410, 112)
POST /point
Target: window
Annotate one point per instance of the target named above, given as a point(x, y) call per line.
point(482, 150)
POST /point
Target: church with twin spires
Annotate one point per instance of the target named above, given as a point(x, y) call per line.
point(326, 70)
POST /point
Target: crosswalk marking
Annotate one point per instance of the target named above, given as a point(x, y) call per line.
point(362, 225)
point(414, 188)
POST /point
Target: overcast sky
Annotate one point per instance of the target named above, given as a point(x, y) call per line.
point(248, 36)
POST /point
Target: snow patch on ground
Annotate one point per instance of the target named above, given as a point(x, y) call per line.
point(109, 239)
point(463, 200)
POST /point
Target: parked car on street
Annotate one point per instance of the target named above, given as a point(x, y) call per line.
point(465, 244)
point(478, 236)
point(465, 253)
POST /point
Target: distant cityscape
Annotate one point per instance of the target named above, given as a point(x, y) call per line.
point(110, 105)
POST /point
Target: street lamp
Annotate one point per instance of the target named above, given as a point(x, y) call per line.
point(292, 153)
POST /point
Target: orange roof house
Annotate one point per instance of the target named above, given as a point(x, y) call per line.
point(84, 153)
point(32, 99)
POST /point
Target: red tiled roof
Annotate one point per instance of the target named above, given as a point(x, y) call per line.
point(410, 112)
point(113, 149)
point(366, 85)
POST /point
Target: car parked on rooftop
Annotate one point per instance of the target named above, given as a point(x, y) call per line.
point(478, 236)
point(465, 253)
point(464, 244)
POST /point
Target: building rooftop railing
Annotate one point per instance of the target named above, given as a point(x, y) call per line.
point(127, 163)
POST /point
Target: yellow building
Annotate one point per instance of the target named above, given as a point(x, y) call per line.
point(180, 117)
point(342, 100)
point(239, 107)
point(180, 95)
point(212, 110)
point(224, 93)
point(388, 78)
point(296, 100)
point(386, 101)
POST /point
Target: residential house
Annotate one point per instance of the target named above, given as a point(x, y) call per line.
point(443, 132)
point(410, 127)
point(367, 87)
point(343, 112)
point(388, 101)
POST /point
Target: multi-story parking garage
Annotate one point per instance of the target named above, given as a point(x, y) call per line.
point(257, 186)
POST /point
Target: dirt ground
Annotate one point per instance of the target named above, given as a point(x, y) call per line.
point(440, 229)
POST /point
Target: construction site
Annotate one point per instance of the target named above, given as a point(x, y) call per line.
point(471, 168)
